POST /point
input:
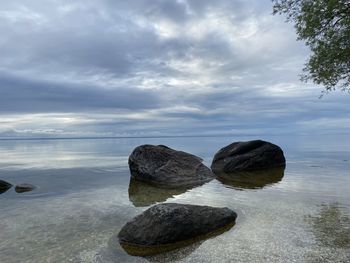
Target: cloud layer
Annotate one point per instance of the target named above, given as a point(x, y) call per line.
point(162, 67)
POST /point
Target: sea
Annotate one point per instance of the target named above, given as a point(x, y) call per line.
point(84, 196)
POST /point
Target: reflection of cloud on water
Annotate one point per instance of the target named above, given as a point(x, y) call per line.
point(65, 228)
point(331, 226)
point(58, 154)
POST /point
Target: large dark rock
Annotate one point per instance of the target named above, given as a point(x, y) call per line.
point(22, 188)
point(165, 167)
point(248, 156)
point(168, 226)
point(4, 186)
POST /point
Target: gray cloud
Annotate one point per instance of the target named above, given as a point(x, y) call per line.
point(155, 67)
point(30, 96)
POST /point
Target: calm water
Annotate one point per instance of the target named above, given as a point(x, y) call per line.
point(84, 198)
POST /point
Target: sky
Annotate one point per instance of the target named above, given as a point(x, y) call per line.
point(156, 68)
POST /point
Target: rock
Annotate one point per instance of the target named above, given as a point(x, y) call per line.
point(253, 179)
point(248, 156)
point(144, 194)
point(4, 186)
point(168, 226)
point(21, 188)
point(165, 167)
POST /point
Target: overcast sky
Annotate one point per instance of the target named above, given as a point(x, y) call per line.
point(156, 67)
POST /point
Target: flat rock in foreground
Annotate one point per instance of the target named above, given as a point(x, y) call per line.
point(168, 226)
point(248, 156)
point(4, 186)
point(166, 167)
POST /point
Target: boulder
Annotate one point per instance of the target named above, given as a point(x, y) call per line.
point(248, 156)
point(168, 226)
point(21, 188)
point(4, 186)
point(162, 166)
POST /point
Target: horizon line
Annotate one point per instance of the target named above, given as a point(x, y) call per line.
point(147, 137)
point(116, 137)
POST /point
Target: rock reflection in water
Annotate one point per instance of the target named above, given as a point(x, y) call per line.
point(331, 226)
point(143, 194)
point(175, 255)
point(253, 179)
point(114, 253)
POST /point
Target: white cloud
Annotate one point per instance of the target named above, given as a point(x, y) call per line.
point(154, 67)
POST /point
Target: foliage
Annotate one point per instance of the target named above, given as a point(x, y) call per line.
point(325, 27)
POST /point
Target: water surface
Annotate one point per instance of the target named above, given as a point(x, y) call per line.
point(84, 196)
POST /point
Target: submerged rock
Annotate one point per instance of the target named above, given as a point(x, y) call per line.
point(165, 167)
point(253, 179)
point(21, 188)
point(4, 186)
point(168, 226)
point(248, 156)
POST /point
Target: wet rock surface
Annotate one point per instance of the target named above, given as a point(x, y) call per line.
point(167, 226)
point(248, 156)
point(165, 167)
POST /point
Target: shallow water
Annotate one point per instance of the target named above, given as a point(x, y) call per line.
point(83, 198)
